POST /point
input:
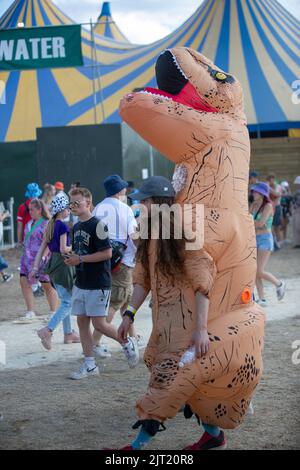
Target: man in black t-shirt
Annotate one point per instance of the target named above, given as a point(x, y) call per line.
point(97, 275)
point(91, 293)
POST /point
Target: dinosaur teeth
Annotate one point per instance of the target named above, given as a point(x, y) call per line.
point(177, 65)
point(145, 92)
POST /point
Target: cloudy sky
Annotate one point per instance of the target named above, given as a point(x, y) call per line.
point(142, 21)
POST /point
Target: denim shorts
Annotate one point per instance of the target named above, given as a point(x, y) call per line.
point(265, 242)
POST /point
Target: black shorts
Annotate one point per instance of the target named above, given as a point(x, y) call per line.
point(277, 220)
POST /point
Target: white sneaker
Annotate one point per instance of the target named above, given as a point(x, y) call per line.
point(7, 277)
point(280, 291)
point(102, 351)
point(262, 303)
point(29, 317)
point(131, 352)
point(84, 372)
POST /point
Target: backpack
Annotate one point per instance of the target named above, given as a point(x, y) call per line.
point(118, 249)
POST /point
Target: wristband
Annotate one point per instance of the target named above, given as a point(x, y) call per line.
point(130, 308)
point(130, 312)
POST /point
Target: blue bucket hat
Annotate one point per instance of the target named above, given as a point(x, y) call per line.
point(33, 190)
point(261, 188)
point(113, 184)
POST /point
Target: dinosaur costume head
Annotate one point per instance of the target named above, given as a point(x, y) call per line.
point(186, 73)
point(196, 119)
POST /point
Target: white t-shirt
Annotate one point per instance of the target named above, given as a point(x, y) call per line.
point(121, 224)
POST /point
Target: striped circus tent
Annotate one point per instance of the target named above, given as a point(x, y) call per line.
point(257, 40)
point(106, 25)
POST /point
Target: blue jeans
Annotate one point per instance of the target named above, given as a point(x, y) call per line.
point(63, 314)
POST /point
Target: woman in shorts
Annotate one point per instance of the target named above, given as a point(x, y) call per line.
point(262, 211)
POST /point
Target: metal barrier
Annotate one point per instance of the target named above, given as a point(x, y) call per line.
point(8, 239)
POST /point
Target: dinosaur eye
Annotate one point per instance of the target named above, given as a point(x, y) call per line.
point(221, 76)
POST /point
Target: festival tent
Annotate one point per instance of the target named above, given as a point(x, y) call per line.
point(256, 40)
point(106, 25)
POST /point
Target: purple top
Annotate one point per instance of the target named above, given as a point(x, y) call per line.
point(31, 248)
point(60, 228)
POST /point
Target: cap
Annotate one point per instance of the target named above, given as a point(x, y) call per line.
point(59, 186)
point(155, 186)
point(297, 180)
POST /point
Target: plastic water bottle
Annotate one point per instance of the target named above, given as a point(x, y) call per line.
point(251, 409)
point(188, 357)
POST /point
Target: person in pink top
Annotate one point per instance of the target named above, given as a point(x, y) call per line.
point(33, 238)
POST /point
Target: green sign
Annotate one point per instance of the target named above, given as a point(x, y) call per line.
point(35, 48)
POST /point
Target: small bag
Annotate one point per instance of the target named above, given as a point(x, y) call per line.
point(118, 249)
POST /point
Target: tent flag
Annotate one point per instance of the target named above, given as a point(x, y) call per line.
point(35, 48)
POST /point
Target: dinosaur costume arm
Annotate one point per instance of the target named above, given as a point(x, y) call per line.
point(157, 119)
point(201, 271)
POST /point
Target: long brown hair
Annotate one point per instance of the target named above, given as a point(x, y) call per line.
point(50, 229)
point(170, 252)
point(39, 204)
point(265, 201)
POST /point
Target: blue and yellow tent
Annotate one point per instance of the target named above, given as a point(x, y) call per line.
point(257, 40)
point(106, 25)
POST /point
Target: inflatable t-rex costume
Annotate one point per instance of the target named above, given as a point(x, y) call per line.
point(196, 119)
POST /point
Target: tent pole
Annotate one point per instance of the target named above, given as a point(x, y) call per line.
point(93, 68)
point(100, 86)
point(98, 77)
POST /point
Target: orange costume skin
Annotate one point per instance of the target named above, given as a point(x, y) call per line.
point(211, 151)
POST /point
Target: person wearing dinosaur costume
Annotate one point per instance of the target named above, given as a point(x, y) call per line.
point(196, 119)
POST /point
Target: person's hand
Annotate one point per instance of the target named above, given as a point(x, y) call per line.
point(123, 329)
point(33, 274)
point(72, 259)
point(200, 340)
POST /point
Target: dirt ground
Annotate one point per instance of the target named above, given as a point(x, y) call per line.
point(42, 409)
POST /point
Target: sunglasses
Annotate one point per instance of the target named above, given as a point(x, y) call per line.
point(75, 203)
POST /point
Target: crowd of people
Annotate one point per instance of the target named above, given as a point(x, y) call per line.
point(90, 277)
point(55, 229)
point(273, 206)
point(44, 231)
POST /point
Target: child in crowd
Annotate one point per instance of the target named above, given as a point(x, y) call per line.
point(33, 239)
point(57, 240)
